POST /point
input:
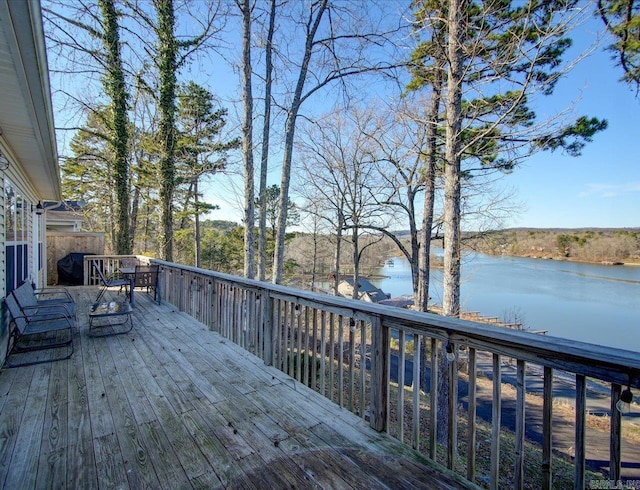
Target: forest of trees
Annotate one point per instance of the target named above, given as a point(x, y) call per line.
point(449, 107)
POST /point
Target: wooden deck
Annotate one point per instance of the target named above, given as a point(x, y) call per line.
point(174, 405)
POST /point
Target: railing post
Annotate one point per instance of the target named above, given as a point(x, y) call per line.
point(159, 285)
point(581, 424)
point(267, 328)
point(180, 290)
point(215, 306)
point(547, 420)
point(379, 374)
point(615, 463)
point(521, 390)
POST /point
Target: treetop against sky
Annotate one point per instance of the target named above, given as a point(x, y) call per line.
point(601, 188)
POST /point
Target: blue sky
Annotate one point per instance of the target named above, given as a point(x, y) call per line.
point(601, 188)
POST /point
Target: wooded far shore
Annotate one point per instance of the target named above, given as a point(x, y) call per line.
point(613, 246)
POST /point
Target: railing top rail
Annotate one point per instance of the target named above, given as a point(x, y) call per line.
point(88, 258)
point(606, 363)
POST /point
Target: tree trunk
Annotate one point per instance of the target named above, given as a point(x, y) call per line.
point(415, 244)
point(337, 256)
point(451, 287)
point(356, 263)
point(451, 279)
point(247, 144)
point(197, 218)
point(135, 207)
point(184, 222)
point(314, 264)
point(264, 163)
point(422, 299)
point(115, 87)
point(290, 128)
point(167, 57)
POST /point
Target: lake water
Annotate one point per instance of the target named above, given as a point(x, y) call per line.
point(592, 303)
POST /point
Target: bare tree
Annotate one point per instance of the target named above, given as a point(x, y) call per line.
point(266, 129)
point(340, 42)
point(339, 165)
point(247, 141)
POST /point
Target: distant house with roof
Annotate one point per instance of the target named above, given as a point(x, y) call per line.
point(366, 291)
point(64, 216)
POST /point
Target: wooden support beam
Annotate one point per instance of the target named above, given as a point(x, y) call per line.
point(379, 375)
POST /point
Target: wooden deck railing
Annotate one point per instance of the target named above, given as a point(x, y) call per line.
point(108, 264)
point(353, 353)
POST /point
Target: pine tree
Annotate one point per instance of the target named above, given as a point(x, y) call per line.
point(199, 150)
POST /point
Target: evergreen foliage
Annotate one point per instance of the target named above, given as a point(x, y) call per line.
point(622, 19)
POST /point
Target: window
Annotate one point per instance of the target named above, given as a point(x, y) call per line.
point(17, 237)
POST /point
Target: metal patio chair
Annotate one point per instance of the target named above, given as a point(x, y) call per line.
point(38, 328)
point(112, 281)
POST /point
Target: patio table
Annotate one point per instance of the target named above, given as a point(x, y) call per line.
point(102, 315)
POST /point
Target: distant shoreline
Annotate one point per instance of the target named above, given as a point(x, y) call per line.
point(570, 259)
point(590, 246)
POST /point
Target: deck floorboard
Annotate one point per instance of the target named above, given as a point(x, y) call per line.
point(173, 405)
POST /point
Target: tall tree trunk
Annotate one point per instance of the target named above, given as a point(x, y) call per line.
point(356, 262)
point(290, 128)
point(451, 288)
point(197, 218)
point(424, 261)
point(314, 265)
point(135, 207)
point(247, 144)
point(264, 163)
point(167, 55)
point(115, 87)
point(338, 251)
point(415, 244)
point(451, 280)
point(184, 221)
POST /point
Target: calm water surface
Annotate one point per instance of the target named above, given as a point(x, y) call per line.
point(591, 303)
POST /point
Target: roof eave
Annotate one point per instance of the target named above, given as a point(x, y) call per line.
point(24, 34)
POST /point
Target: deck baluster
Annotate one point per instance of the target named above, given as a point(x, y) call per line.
point(415, 436)
point(471, 430)
point(433, 434)
point(401, 365)
point(494, 480)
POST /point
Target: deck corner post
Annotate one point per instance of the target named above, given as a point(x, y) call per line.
point(379, 375)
